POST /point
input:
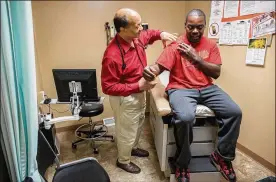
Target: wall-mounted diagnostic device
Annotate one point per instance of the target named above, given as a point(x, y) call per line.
point(145, 26)
point(110, 32)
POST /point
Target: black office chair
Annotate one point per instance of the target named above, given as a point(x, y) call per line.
point(91, 131)
point(83, 170)
point(268, 179)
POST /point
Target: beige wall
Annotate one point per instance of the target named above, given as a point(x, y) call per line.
point(253, 88)
point(71, 34)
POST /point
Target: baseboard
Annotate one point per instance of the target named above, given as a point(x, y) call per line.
point(257, 158)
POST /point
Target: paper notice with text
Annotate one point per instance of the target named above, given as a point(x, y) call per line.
point(225, 36)
point(256, 51)
point(235, 32)
point(215, 19)
point(231, 9)
point(264, 6)
point(247, 7)
point(263, 24)
point(240, 32)
point(216, 9)
point(252, 7)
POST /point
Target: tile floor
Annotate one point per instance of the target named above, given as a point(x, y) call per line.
point(247, 169)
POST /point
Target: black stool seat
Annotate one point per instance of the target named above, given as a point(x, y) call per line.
point(86, 171)
point(90, 110)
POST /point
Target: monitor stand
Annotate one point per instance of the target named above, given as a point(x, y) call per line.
point(93, 100)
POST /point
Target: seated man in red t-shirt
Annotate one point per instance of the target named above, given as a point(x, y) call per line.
point(193, 60)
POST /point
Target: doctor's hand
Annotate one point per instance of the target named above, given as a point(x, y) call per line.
point(148, 73)
point(168, 36)
point(145, 85)
point(165, 36)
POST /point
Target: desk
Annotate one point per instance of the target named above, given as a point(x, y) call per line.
point(55, 101)
point(67, 118)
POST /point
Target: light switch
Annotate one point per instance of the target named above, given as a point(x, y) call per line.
point(145, 26)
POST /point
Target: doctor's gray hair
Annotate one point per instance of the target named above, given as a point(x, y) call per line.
point(120, 21)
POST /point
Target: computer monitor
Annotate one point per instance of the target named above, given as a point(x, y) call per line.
point(86, 82)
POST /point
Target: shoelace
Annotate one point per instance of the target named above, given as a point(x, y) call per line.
point(177, 173)
point(226, 166)
point(186, 173)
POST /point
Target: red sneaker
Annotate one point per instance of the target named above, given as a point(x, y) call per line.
point(225, 167)
point(183, 176)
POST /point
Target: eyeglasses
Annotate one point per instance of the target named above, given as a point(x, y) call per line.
point(198, 27)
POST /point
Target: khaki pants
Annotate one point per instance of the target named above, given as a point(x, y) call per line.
point(129, 114)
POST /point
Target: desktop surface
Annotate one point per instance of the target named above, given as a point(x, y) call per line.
point(55, 101)
point(82, 100)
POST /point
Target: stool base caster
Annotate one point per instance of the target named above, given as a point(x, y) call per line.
point(96, 151)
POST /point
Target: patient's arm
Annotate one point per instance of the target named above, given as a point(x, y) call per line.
point(166, 61)
point(209, 69)
point(150, 72)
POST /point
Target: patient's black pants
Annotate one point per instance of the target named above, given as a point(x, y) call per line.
point(228, 116)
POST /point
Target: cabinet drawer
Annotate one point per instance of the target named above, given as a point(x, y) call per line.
point(204, 134)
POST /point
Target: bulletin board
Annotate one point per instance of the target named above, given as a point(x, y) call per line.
point(235, 22)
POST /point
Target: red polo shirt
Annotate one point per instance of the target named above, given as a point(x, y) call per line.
point(116, 81)
point(184, 74)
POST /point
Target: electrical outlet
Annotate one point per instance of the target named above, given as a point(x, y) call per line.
point(48, 117)
point(40, 117)
point(109, 121)
point(145, 26)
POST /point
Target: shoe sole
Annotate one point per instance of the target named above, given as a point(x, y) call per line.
point(133, 172)
point(218, 167)
point(138, 155)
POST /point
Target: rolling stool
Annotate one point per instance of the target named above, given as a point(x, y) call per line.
point(91, 131)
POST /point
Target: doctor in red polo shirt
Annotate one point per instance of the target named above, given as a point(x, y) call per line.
point(193, 61)
point(122, 79)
